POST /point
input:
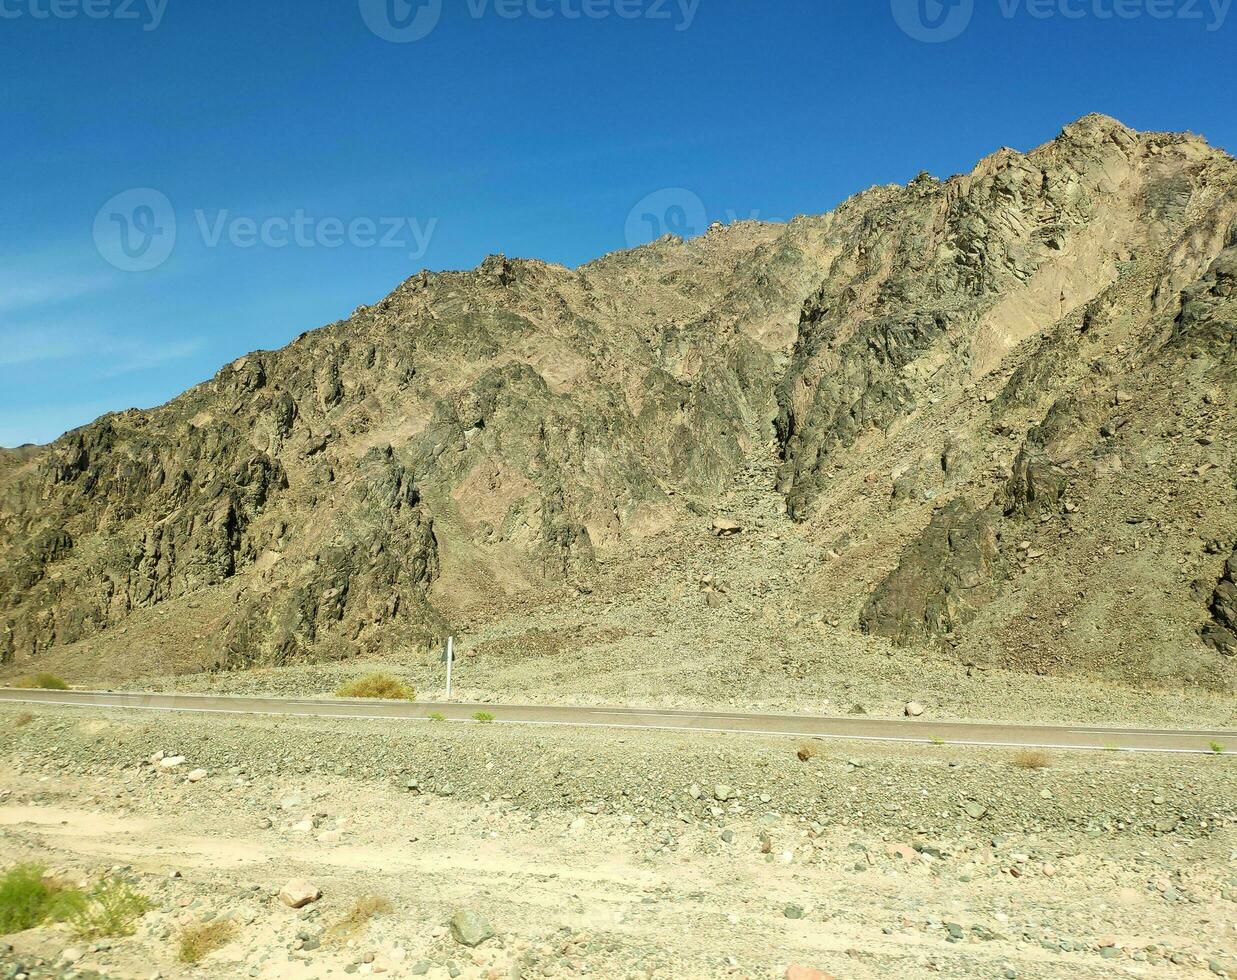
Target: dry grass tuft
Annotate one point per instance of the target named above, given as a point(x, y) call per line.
point(23, 719)
point(203, 938)
point(43, 682)
point(378, 686)
point(1032, 759)
point(357, 918)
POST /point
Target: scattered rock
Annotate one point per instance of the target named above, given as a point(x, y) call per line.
point(298, 893)
point(469, 928)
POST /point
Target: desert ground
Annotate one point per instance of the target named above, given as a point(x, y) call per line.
point(614, 854)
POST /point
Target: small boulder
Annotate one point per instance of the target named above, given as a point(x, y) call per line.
point(913, 709)
point(724, 527)
point(196, 776)
point(298, 893)
point(469, 928)
point(172, 761)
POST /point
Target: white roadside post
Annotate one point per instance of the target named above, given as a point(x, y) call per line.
point(450, 662)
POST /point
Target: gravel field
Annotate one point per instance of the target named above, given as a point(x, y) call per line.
point(618, 854)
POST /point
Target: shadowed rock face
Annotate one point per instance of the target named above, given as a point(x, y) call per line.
point(947, 574)
point(1011, 391)
point(1221, 633)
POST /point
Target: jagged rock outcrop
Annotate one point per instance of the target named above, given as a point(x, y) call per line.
point(947, 574)
point(1002, 406)
point(523, 415)
point(1221, 633)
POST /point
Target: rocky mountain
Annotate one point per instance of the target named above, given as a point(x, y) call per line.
point(995, 413)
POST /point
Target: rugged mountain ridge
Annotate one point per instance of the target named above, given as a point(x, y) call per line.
point(1002, 408)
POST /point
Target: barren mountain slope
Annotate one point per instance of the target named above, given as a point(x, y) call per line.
point(989, 418)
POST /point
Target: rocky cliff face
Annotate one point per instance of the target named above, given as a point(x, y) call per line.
point(1002, 406)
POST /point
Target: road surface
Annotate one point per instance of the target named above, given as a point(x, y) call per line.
point(860, 728)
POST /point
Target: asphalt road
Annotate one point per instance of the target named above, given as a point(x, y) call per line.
point(860, 728)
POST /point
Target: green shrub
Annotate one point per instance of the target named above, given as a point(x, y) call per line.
point(436, 716)
point(484, 717)
point(26, 898)
point(29, 898)
point(1216, 747)
point(44, 682)
point(378, 686)
point(111, 908)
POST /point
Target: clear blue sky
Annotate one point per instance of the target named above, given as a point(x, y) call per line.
point(526, 126)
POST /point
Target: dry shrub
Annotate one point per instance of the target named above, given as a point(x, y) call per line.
point(42, 682)
point(357, 918)
point(1032, 759)
point(203, 938)
point(23, 719)
point(378, 686)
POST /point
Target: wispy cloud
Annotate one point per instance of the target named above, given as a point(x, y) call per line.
point(110, 354)
point(31, 292)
